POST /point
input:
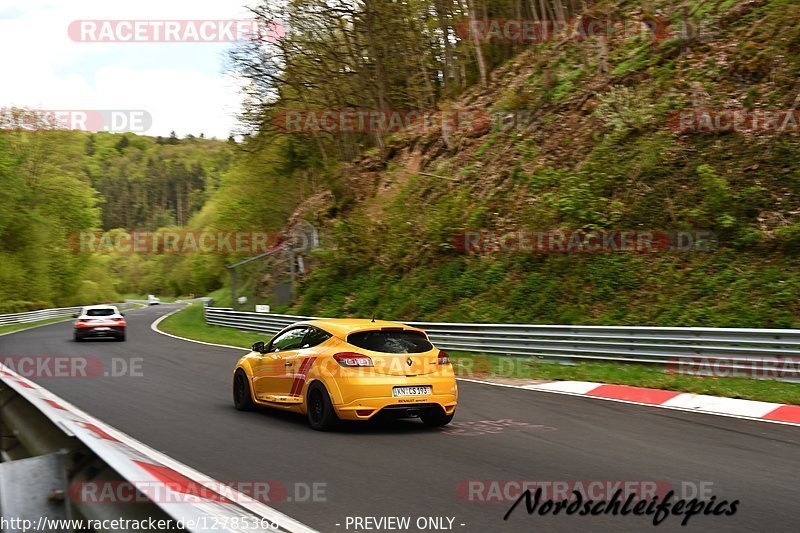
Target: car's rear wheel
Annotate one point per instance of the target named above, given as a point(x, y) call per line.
point(242, 399)
point(436, 418)
point(77, 337)
point(121, 338)
point(321, 415)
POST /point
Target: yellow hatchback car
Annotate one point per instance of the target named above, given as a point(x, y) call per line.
point(348, 369)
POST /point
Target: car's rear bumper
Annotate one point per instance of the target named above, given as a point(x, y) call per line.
point(112, 331)
point(364, 398)
point(370, 407)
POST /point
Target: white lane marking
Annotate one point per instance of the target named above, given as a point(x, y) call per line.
point(561, 387)
point(732, 406)
point(575, 387)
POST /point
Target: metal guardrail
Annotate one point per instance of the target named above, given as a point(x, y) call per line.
point(35, 316)
point(43, 314)
point(59, 465)
point(771, 353)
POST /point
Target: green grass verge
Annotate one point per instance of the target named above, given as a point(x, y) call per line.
point(487, 366)
point(15, 327)
point(191, 324)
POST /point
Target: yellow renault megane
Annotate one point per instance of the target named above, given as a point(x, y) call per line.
point(351, 369)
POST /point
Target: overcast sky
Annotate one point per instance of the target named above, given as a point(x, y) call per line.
point(181, 85)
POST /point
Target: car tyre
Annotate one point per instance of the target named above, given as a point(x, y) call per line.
point(242, 399)
point(436, 418)
point(77, 337)
point(121, 338)
point(321, 415)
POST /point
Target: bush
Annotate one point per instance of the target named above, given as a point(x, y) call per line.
point(623, 110)
point(21, 306)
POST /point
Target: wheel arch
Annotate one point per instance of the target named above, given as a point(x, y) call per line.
point(318, 372)
point(247, 376)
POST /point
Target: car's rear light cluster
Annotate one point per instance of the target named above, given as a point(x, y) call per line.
point(352, 359)
point(444, 359)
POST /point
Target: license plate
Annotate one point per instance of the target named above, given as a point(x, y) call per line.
point(424, 390)
point(102, 329)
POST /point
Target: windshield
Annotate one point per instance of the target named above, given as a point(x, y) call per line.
point(398, 341)
point(101, 312)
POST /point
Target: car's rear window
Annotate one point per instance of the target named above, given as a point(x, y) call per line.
point(391, 341)
point(100, 312)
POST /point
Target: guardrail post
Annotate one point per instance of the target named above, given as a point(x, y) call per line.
point(44, 479)
point(33, 431)
point(232, 270)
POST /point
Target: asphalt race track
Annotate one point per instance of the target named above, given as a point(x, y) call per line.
point(182, 406)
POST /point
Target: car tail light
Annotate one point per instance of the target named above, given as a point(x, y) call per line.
point(352, 359)
point(444, 359)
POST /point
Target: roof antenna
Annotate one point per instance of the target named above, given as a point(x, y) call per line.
point(373, 317)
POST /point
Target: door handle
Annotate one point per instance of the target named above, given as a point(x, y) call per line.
point(287, 363)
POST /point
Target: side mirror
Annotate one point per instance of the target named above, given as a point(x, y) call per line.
point(76, 315)
point(122, 314)
point(259, 347)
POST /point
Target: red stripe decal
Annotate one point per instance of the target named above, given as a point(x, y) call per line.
point(785, 413)
point(300, 377)
point(633, 394)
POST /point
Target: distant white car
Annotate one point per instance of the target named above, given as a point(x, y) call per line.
point(99, 321)
point(153, 300)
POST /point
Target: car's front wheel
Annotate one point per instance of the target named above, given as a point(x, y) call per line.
point(436, 418)
point(321, 415)
point(242, 399)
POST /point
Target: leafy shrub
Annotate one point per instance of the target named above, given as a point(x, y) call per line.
point(21, 306)
point(623, 109)
point(788, 237)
